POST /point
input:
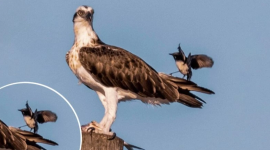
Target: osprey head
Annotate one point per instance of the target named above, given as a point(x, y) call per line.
point(83, 13)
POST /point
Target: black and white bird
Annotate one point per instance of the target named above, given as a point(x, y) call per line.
point(117, 75)
point(33, 118)
point(184, 64)
point(16, 139)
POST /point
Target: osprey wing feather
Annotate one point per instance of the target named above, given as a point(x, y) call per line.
point(17, 139)
point(116, 67)
point(8, 139)
point(133, 74)
point(32, 137)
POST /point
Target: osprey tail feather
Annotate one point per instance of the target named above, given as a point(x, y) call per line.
point(184, 87)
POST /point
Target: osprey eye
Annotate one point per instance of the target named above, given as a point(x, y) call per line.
point(80, 12)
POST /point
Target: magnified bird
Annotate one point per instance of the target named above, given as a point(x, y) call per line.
point(17, 139)
point(32, 119)
point(184, 64)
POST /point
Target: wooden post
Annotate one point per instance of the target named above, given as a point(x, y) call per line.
point(96, 141)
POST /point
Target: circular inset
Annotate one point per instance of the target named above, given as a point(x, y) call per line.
point(65, 131)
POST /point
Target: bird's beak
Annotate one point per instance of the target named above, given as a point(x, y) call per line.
point(171, 53)
point(89, 16)
point(20, 109)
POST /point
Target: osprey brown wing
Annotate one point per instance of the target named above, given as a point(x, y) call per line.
point(32, 138)
point(199, 61)
point(10, 140)
point(116, 67)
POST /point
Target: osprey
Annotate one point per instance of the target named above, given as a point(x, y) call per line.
point(32, 119)
point(16, 139)
point(184, 64)
point(117, 75)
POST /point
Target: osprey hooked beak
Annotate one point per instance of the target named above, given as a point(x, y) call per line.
point(89, 16)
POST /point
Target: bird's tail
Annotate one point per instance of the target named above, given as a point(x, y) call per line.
point(184, 87)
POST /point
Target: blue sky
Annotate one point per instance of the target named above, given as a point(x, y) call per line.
point(35, 36)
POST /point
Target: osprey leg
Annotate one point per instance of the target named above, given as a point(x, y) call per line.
point(109, 102)
point(104, 103)
point(94, 126)
point(112, 101)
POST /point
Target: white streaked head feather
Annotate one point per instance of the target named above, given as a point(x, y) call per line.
point(83, 28)
point(85, 8)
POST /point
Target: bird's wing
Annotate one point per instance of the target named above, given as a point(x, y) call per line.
point(189, 60)
point(46, 116)
point(116, 67)
point(36, 122)
point(182, 54)
point(9, 139)
point(199, 61)
point(29, 109)
point(32, 137)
